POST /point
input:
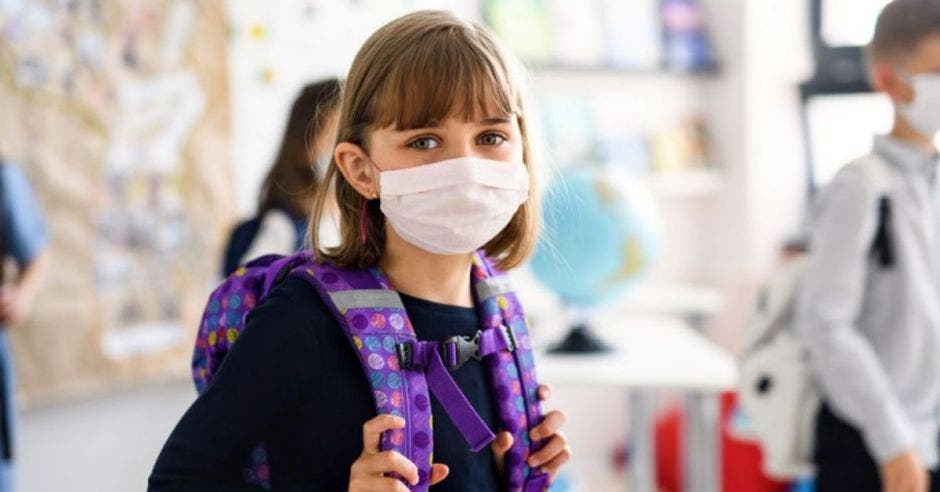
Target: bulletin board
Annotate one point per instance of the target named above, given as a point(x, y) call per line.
point(118, 112)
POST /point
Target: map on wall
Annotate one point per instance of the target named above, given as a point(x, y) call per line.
point(118, 113)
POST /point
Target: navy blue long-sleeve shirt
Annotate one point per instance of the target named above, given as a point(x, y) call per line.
point(294, 382)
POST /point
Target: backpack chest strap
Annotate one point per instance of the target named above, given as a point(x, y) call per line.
point(437, 359)
point(457, 351)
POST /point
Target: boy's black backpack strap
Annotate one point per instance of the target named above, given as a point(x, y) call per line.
point(880, 175)
point(882, 247)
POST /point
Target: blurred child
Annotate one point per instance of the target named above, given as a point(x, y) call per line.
point(869, 308)
point(23, 238)
point(287, 192)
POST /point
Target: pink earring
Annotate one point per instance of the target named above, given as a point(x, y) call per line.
point(362, 215)
point(362, 220)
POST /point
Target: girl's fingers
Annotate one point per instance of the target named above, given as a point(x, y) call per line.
point(555, 445)
point(377, 484)
point(373, 429)
point(555, 463)
point(545, 391)
point(502, 443)
point(391, 462)
point(501, 446)
point(438, 473)
point(549, 426)
point(368, 472)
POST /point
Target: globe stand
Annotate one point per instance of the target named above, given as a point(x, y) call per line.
point(580, 340)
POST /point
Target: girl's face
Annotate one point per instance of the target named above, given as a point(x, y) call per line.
point(488, 134)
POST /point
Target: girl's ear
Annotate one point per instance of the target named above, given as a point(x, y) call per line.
point(357, 168)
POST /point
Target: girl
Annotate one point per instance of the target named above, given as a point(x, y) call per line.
point(431, 120)
point(287, 192)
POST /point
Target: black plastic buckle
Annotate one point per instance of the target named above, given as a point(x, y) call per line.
point(467, 348)
point(405, 352)
point(510, 337)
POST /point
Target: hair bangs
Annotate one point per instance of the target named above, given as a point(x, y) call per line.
point(448, 75)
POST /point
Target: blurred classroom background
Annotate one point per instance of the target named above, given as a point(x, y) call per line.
point(145, 129)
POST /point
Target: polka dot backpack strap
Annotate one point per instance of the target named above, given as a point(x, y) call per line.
point(512, 373)
point(376, 325)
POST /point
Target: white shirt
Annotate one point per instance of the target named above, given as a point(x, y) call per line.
point(873, 333)
point(277, 235)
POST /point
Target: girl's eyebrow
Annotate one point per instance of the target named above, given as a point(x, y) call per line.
point(433, 124)
point(495, 120)
point(430, 125)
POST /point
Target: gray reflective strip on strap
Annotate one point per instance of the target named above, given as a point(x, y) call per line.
point(366, 298)
point(493, 286)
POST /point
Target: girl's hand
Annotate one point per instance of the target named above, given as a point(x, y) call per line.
point(370, 472)
point(555, 451)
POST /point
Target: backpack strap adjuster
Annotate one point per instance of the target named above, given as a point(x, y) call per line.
point(405, 352)
point(510, 336)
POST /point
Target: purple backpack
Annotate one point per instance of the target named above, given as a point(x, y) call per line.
point(402, 371)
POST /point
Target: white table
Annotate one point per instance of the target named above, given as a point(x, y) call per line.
point(656, 353)
point(659, 298)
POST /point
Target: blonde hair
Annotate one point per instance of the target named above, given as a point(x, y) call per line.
point(420, 68)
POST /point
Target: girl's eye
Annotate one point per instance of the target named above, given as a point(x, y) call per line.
point(424, 143)
point(491, 139)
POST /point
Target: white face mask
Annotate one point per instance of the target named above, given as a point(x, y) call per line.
point(454, 206)
point(923, 113)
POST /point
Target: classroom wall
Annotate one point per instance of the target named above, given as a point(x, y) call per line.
point(120, 119)
point(778, 56)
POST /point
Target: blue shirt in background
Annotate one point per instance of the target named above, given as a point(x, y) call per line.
point(24, 229)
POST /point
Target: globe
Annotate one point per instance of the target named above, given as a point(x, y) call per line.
point(600, 237)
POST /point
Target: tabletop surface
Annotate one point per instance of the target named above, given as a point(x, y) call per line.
point(659, 352)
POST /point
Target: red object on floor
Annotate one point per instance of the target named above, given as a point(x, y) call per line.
point(740, 460)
